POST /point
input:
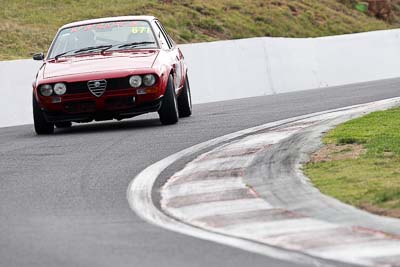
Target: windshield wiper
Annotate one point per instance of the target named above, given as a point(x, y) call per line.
point(102, 47)
point(63, 53)
point(86, 49)
point(90, 48)
point(134, 44)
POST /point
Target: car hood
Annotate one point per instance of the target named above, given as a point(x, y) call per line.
point(99, 63)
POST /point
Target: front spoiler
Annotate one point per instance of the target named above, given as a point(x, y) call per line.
point(103, 115)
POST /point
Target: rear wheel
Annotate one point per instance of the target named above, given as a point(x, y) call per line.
point(64, 124)
point(41, 125)
point(169, 107)
point(185, 100)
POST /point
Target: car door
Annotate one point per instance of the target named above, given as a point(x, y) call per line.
point(175, 54)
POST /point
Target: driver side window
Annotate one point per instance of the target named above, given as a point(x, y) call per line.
point(163, 39)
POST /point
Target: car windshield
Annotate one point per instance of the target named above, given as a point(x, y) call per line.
point(103, 36)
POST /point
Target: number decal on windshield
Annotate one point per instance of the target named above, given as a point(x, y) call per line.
point(141, 29)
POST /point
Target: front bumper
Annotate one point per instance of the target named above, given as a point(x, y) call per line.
point(86, 107)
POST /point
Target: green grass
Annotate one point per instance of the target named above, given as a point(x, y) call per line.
point(371, 181)
point(28, 26)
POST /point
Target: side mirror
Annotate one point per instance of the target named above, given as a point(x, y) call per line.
point(38, 56)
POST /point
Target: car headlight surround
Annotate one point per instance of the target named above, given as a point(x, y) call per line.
point(46, 90)
point(149, 79)
point(135, 81)
point(60, 88)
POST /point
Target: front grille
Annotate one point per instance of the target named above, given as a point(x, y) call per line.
point(97, 87)
point(112, 84)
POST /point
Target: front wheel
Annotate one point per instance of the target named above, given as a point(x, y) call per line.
point(41, 125)
point(169, 107)
point(185, 100)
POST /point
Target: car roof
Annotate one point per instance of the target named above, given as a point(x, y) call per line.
point(109, 19)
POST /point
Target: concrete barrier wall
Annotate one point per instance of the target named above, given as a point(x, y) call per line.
point(243, 68)
point(358, 58)
point(227, 69)
point(16, 79)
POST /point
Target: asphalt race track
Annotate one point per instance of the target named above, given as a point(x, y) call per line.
point(63, 197)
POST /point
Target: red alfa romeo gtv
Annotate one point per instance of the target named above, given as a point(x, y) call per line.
point(110, 68)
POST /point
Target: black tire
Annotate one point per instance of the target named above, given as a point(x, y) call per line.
point(169, 106)
point(41, 125)
point(185, 100)
point(64, 124)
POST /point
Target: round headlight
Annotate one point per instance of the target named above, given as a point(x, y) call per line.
point(135, 81)
point(149, 80)
point(60, 88)
point(46, 90)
